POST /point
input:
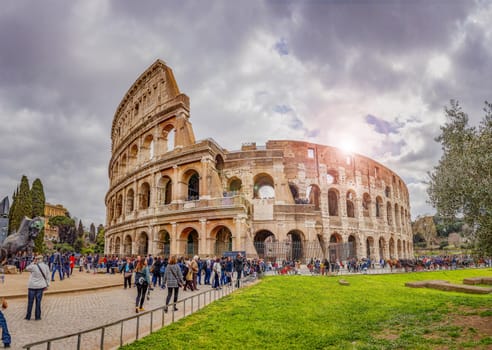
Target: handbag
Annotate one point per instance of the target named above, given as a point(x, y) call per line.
point(47, 284)
point(5, 304)
point(128, 274)
point(179, 282)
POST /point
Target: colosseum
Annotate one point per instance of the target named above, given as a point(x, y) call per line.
point(172, 194)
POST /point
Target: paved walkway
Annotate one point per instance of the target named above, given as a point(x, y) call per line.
point(78, 303)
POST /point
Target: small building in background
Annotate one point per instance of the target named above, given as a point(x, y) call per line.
point(52, 210)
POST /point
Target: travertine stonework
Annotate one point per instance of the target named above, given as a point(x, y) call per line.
point(171, 194)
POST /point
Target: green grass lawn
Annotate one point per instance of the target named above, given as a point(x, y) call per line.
point(307, 312)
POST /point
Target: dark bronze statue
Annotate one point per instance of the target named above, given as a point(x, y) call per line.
point(23, 239)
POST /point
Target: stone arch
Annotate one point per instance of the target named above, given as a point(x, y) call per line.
point(169, 137)
point(369, 247)
point(164, 243)
point(116, 170)
point(336, 238)
point(143, 244)
point(223, 240)
point(333, 197)
point(379, 206)
point(312, 194)
point(332, 177)
point(391, 248)
point(295, 245)
point(133, 157)
point(389, 215)
point(165, 190)
point(119, 205)
point(235, 185)
point(398, 248)
point(117, 246)
point(123, 164)
point(127, 245)
point(130, 201)
point(350, 200)
point(264, 186)
point(192, 180)
point(397, 216)
point(219, 162)
point(263, 240)
point(352, 246)
point(382, 247)
point(111, 245)
point(335, 248)
point(144, 196)
point(366, 205)
point(294, 190)
point(402, 215)
point(148, 147)
point(387, 191)
point(192, 239)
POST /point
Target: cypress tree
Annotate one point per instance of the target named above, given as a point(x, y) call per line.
point(11, 211)
point(38, 198)
point(92, 233)
point(23, 205)
point(80, 230)
point(38, 204)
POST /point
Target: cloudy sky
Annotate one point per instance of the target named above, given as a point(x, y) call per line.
point(372, 76)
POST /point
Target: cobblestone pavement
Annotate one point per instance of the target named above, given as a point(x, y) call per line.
point(78, 304)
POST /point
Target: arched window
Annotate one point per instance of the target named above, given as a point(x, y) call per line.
point(194, 187)
point(350, 204)
point(144, 196)
point(235, 186)
point(312, 194)
point(119, 205)
point(389, 213)
point(379, 206)
point(366, 205)
point(264, 186)
point(333, 203)
point(165, 190)
point(219, 162)
point(130, 200)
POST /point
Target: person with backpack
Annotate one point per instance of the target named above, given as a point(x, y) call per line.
point(142, 281)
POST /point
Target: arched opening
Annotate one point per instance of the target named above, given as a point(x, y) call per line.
point(164, 243)
point(144, 196)
point(398, 248)
point(397, 216)
point(313, 193)
point(148, 147)
point(223, 240)
point(130, 200)
point(389, 214)
point(165, 187)
point(127, 246)
point(352, 247)
point(133, 155)
point(379, 206)
point(263, 244)
point(117, 245)
point(387, 192)
point(295, 192)
point(219, 162)
point(295, 250)
point(123, 164)
point(369, 247)
point(263, 187)
point(335, 250)
point(392, 248)
point(332, 177)
point(350, 204)
point(193, 186)
point(333, 202)
point(143, 244)
point(119, 205)
point(366, 205)
point(382, 244)
point(235, 186)
point(192, 243)
point(168, 134)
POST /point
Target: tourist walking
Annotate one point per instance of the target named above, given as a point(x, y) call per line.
point(57, 265)
point(142, 281)
point(127, 269)
point(173, 279)
point(194, 268)
point(3, 323)
point(238, 266)
point(37, 283)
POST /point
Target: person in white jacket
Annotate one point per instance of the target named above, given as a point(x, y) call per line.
point(38, 282)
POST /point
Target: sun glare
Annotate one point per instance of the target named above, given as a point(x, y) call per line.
point(347, 145)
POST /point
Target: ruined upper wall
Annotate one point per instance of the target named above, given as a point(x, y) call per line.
point(154, 91)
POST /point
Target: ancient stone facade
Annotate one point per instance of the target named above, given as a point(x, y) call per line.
point(171, 194)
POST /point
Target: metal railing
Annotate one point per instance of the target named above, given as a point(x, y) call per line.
point(117, 333)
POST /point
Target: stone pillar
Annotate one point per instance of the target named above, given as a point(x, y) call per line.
point(205, 178)
point(202, 244)
point(174, 238)
point(176, 195)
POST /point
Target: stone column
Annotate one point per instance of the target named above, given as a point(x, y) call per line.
point(176, 194)
point(174, 238)
point(203, 234)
